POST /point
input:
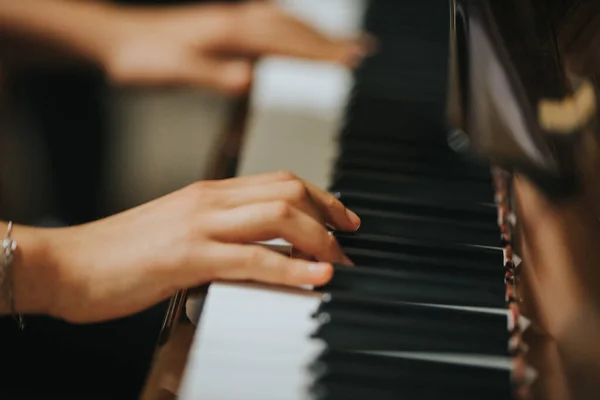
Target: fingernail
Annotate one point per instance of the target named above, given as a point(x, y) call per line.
point(370, 44)
point(318, 268)
point(362, 48)
point(355, 219)
point(237, 75)
point(348, 261)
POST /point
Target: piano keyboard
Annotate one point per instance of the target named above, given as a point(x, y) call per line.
point(423, 314)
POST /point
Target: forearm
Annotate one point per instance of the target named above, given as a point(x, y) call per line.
point(82, 28)
point(33, 269)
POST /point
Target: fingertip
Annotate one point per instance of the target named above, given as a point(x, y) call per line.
point(348, 262)
point(236, 77)
point(370, 43)
point(358, 49)
point(349, 221)
point(319, 273)
point(342, 219)
point(354, 219)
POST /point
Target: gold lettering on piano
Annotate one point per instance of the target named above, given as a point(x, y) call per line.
point(565, 116)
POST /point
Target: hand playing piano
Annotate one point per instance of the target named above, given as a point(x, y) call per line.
point(125, 263)
point(214, 45)
point(210, 45)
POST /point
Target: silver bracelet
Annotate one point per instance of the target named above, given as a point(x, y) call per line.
point(9, 246)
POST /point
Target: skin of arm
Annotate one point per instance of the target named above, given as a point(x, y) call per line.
point(35, 272)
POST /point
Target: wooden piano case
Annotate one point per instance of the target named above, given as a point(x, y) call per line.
point(556, 206)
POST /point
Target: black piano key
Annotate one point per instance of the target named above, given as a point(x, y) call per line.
point(411, 167)
point(423, 252)
point(426, 284)
point(423, 208)
point(428, 105)
point(341, 388)
point(477, 214)
point(426, 226)
point(410, 376)
point(392, 119)
point(358, 323)
point(422, 85)
point(468, 186)
point(407, 19)
point(392, 261)
point(419, 137)
point(442, 192)
point(403, 147)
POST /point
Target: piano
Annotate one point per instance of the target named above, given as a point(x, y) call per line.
point(467, 144)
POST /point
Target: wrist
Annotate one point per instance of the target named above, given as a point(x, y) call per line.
point(36, 271)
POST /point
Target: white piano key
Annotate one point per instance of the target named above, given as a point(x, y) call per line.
point(341, 18)
point(194, 302)
point(278, 245)
point(297, 106)
point(252, 343)
point(193, 307)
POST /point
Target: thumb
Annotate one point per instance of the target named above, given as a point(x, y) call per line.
point(231, 76)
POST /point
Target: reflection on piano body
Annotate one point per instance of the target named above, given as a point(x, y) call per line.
point(467, 145)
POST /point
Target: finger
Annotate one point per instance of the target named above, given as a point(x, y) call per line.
point(336, 213)
point(293, 192)
point(252, 262)
point(263, 28)
point(230, 76)
point(265, 221)
point(295, 253)
point(331, 209)
point(252, 180)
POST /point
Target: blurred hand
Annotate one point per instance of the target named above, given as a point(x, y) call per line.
point(214, 45)
point(126, 263)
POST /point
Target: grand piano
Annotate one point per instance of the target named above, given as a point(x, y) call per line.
point(467, 144)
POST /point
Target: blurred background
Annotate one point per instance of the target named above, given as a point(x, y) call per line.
point(84, 149)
